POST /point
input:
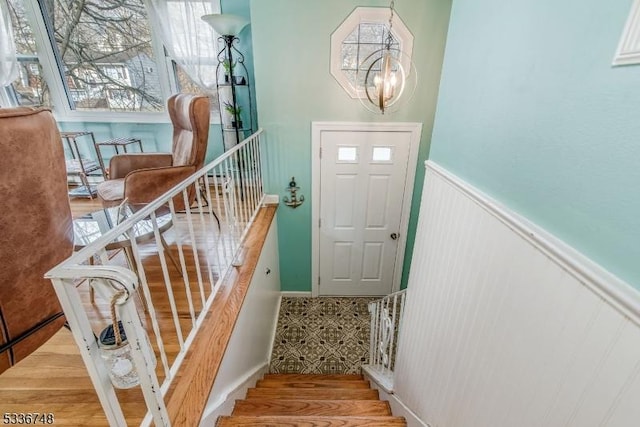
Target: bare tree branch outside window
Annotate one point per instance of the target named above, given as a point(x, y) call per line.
point(106, 52)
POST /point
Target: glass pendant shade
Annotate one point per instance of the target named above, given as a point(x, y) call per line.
point(226, 24)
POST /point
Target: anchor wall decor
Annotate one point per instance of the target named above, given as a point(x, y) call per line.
point(295, 200)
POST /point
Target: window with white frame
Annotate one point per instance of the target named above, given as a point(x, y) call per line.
point(363, 32)
point(30, 88)
point(82, 57)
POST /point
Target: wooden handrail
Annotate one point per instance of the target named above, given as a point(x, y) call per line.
point(187, 398)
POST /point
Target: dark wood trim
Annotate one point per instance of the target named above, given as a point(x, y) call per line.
point(6, 346)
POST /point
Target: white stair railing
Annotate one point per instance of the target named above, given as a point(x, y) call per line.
point(172, 261)
point(386, 321)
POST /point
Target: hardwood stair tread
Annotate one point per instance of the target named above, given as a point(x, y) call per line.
point(297, 400)
point(310, 421)
point(265, 407)
point(313, 393)
point(314, 377)
point(313, 384)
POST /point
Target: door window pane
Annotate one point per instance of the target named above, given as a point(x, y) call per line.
point(381, 154)
point(347, 154)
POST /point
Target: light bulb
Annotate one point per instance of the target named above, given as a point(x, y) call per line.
point(384, 80)
point(377, 82)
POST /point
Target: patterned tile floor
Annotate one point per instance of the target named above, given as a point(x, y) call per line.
point(321, 336)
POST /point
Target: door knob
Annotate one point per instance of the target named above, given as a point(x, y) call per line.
point(394, 236)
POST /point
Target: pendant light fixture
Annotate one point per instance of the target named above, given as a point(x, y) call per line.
point(385, 83)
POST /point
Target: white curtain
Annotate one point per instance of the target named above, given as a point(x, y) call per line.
point(189, 40)
point(8, 59)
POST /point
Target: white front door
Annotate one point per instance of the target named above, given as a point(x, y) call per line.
point(363, 180)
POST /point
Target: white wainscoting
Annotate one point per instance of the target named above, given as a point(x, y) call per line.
point(505, 326)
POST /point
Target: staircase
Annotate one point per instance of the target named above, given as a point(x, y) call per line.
point(309, 401)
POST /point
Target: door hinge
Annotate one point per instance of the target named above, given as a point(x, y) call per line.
point(320, 152)
point(319, 222)
point(318, 280)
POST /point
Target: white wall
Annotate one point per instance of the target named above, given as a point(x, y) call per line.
point(248, 352)
point(504, 326)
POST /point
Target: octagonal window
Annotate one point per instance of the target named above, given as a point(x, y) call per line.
point(363, 32)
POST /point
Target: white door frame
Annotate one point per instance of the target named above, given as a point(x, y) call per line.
point(316, 131)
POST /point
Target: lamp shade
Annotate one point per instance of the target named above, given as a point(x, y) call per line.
point(226, 24)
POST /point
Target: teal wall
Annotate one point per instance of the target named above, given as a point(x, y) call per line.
point(154, 137)
point(531, 112)
point(291, 40)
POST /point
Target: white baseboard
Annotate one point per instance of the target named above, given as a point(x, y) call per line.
point(383, 379)
point(398, 408)
point(295, 294)
point(273, 333)
point(238, 390)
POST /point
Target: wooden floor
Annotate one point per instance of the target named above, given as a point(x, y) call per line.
point(54, 380)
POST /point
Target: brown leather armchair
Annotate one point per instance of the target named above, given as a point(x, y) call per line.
point(36, 230)
point(143, 177)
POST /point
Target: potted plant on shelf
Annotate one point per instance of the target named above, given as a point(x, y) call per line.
point(228, 69)
point(234, 111)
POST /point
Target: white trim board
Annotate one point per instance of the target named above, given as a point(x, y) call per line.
point(238, 390)
point(316, 131)
point(398, 408)
point(274, 331)
point(628, 51)
point(271, 199)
